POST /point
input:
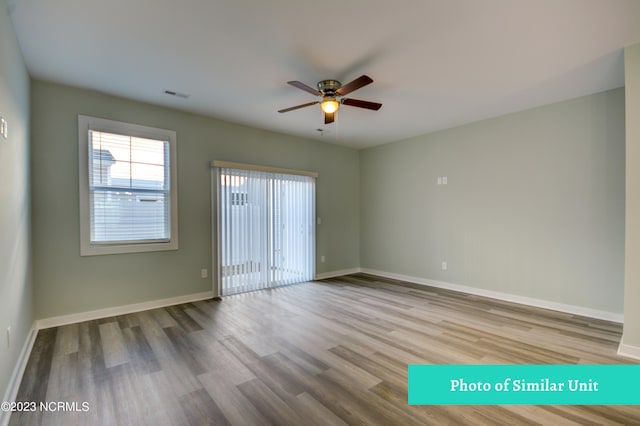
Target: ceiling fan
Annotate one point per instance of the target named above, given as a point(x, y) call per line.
point(332, 92)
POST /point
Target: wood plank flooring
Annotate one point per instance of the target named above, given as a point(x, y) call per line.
point(332, 352)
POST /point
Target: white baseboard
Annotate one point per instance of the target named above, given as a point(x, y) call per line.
point(628, 351)
point(121, 310)
point(539, 303)
point(333, 274)
point(18, 371)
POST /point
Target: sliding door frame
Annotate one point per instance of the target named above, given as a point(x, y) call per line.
point(216, 166)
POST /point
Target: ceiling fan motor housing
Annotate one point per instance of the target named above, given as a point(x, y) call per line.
point(329, 87)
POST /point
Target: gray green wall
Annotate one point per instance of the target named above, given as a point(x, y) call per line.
point(631, 334)
point(15, 258)
point(534, 205)
point(67, 283)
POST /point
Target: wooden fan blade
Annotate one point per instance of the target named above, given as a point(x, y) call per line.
point(328, 117)
point(299, 106)
point(362, 104)
point(304, 87)
point(354, 85)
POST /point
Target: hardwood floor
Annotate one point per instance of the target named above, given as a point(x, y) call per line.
point(331, 352)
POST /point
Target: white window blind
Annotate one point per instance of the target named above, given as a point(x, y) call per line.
point(129, 189)
point(266, 229)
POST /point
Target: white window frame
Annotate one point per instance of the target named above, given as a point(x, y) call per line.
point(86, 123)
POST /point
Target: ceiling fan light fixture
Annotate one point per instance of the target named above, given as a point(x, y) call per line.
point(329, 104)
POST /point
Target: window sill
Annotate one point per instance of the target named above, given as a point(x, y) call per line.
point(102, 249)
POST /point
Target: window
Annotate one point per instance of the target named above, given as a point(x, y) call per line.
point(128, 190)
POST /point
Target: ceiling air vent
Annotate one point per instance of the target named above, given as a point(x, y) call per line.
point(177, 94)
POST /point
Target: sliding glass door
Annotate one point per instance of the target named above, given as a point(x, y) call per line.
point(266, 233)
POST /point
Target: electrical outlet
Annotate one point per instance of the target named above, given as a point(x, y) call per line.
point(439, 180)
point(444, 266)
point(444, 180)
point(204, 273)
point(8, 337)
point(322, 259)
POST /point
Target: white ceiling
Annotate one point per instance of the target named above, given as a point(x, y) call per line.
point(435, 63)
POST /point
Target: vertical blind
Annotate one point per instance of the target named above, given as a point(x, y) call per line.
point(128, 189)
point(266, 232)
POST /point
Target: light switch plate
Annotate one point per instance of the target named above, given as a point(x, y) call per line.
point(4, 128)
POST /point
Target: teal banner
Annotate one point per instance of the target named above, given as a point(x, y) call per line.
point(524, 384)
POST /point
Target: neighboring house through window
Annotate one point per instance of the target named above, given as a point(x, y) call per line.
point(128, 187)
